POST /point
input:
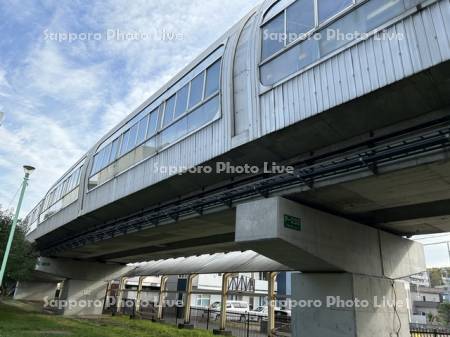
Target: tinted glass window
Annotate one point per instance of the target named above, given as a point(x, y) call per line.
point(142, 130)
point(299, 19)
point(203, 114)
point(212, 79)
point(125, 138)
point(132, 139)
point(290, 62)
point(182, 97)
point(114, 148)
point(105, 157)
point(196, 93)
point(152, 123)
point(329, 8)
point(96, 162)
point(377, 12)
point(168, 112)
point(174, 132)
point(273, 36)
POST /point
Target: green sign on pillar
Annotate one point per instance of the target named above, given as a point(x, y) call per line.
point(292, 222)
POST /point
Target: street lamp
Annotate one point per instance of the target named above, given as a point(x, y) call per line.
point(28, 169)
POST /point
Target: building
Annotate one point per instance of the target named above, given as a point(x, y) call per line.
point(425, 302)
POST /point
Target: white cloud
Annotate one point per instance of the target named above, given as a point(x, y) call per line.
point(62, 97)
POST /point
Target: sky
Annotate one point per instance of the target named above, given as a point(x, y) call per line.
point(61, 93)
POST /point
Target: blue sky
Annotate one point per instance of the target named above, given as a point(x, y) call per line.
point(60, 97)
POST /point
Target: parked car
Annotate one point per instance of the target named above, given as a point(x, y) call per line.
point(281, 315)
point(260, 313)
point(236, 310)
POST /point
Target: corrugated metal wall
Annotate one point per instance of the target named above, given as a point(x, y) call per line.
point(364, 67)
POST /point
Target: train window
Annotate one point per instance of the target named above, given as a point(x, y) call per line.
point(289, 62)
point(273, 36)
point(173, 132)
point(203, 114)
point(96, 165)
point(105, 157)
point(182, 97)
point(299, 19)
point(125, 138)
point(114, 148)
point(168, 111)
point(142, 130)
point(152, 123)
point(361, 20)
point(64, 187)
point(196, 92)
point(377, 12)
point(132, 139)
point(329, 8)
point(212, 79)
point(276, 8)
point(196, 103)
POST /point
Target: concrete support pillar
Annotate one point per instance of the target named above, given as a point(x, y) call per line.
point(108, 287)
point(356, 263)
point(122, 285)
point(138, 293)
point(85, 283)
point(162, 297)
point(223, 307)
point(187, 304)
point(35, 291)
point(271, 299)
point(349, 305)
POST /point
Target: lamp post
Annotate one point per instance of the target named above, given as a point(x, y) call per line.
point(28, 170)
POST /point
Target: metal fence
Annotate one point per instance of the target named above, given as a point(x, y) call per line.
point(430, 332)
point(240, 324)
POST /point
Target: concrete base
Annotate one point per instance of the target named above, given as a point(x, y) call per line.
point(187, 326)
point(35, 291)
point(222, 332)
point(84, 286)
point(84, 297)
point(349, 305)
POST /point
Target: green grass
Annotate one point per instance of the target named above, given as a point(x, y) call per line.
point(18, 320)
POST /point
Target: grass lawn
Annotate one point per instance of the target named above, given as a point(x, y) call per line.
point(21, 320)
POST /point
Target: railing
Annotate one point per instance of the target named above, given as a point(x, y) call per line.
point(429, 332)
point(240, 324)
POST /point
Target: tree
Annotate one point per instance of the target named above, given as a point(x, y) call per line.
point(435, 277)
point(444, 313)
point(22, 257)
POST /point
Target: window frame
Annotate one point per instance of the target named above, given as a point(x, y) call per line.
point(216, 55)
point(317, 27)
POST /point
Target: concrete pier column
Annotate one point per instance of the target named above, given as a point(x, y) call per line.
point(187, 305)
point(271, 298)
point(85, 283)
point(122, 285)
point(340, 259)
point(349, 305)
point(223, 307)
point(139, 293)
point(162, 297)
